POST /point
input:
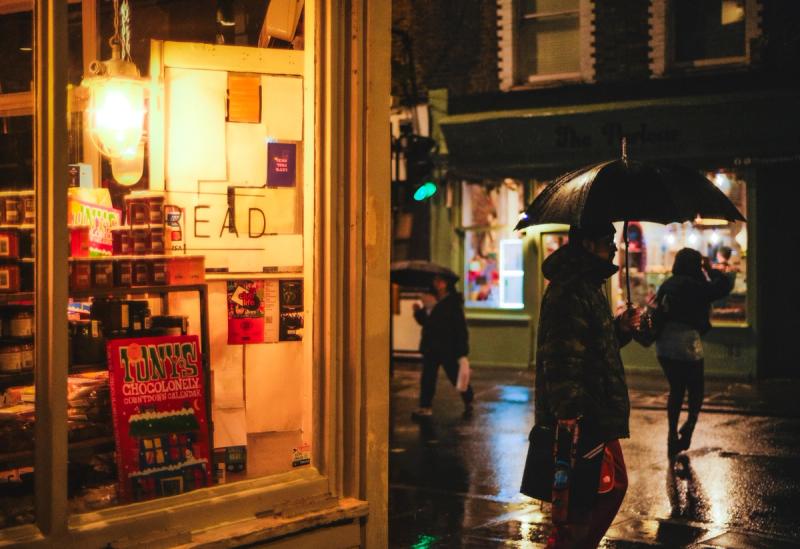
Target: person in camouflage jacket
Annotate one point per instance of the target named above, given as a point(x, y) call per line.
point(579, 374)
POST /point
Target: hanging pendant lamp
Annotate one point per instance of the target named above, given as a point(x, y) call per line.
point(116, 109)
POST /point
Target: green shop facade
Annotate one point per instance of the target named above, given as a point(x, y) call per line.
point(747, 143)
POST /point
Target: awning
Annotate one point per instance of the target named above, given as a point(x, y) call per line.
point(706, 131)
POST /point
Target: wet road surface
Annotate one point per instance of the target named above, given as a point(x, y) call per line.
point(454, 481)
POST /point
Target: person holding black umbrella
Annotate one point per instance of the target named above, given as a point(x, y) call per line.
point(580, 386)
point(445, 342)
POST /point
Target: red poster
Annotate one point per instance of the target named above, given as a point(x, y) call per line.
point(245, 311)
point(160, 423)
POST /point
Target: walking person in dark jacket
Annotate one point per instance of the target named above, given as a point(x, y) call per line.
point(685, 301)
point(580, 381)
point(445, 342)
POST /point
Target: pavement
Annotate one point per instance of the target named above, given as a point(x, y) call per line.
point(454, 480)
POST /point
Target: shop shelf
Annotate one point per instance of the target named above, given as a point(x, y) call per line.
point(15, 340)
point(138, 290)
point(21, 378)
point(18, 298)
point(26, 378)
point(24, 458)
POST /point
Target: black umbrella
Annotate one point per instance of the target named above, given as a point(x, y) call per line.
point(628, 190)
point(419, 273)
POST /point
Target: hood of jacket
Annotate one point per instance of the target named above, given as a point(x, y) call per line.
point(570, 263)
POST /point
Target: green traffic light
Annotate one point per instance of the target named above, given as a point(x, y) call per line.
point(425, 191)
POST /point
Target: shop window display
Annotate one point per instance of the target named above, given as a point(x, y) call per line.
point(17, 307)
point(552, 241)
point(492, 251)
point(208, 253)
point(652, 249)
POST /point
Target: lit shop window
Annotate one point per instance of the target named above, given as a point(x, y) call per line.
point(653, 247)
point(492, 251)
point(551, 241)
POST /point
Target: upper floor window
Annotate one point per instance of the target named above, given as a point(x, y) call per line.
point(709, 29)
point(543, 41)
point(688, 34)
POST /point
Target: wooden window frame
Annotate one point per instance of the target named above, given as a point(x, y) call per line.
point(509, 19)
point(344, 64)
point(662, 41)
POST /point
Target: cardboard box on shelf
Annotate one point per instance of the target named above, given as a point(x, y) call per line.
point(186, 269)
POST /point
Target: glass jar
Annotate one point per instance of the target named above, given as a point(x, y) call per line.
point(20, 324)
point(10, 359)
point(140, 240)
point(13, 210)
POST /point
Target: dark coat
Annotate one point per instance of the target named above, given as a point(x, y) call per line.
point(688, 299)
point(444, 331)
point(578, 365)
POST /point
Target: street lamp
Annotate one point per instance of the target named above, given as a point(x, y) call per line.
point(117, 104)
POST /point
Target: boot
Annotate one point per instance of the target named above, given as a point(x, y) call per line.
point(686, 431)
point(468, 408)
point(422, 414)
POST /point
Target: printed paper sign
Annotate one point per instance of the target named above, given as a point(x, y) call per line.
point(272, 312)
point(100, 221)
point(158, 403)
point(291, 303)
point(245, 312)
point(281, 164)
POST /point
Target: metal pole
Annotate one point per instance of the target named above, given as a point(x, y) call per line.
point(627, 266)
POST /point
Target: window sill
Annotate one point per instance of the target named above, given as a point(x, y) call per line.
point(548, 80)
point(501, 316)
point(283, 499)
point(704, 66)
point(251, 531)
point(727, 324)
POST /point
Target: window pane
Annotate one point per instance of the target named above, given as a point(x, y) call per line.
point(17, 229)
point(16, 51)
point(511, 274)
point(548, 46)
point(709, 29)
point(653, 248)
point(552, 241)
point(148, 321)
point(492, 251)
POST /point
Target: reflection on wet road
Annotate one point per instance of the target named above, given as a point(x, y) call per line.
point(454, 481)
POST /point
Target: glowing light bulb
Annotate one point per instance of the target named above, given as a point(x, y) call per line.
point(117, 115)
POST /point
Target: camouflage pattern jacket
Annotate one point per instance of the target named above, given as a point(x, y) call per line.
point(578, 366)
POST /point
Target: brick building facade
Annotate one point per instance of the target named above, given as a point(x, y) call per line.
point(708, 85)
